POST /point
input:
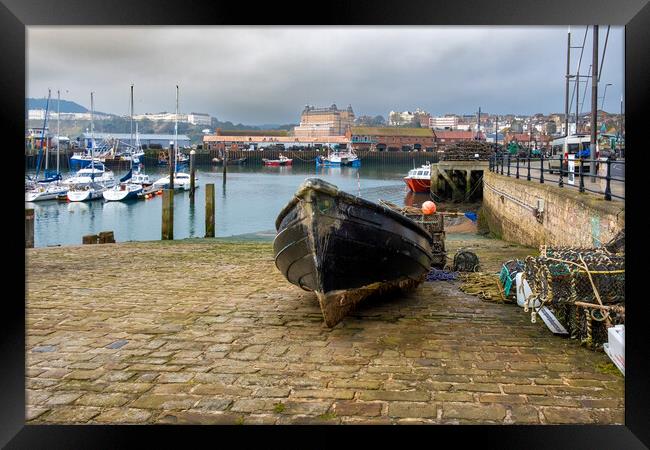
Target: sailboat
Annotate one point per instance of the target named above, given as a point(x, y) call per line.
point(49, 188)
point(81, 192)
point(127, 189)
point(181, 180)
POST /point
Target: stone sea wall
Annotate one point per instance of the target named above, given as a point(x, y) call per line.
point(569, 218)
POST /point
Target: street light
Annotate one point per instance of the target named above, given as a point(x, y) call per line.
point(602, 106)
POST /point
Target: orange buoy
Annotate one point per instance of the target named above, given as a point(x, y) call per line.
point(428, 207)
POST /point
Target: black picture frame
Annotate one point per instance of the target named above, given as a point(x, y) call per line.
point(15, 15)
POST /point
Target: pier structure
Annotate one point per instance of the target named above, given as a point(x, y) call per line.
point(459, 180)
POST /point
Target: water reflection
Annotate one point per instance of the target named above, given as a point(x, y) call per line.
point(249, 202)
point(191, 217)
point(416, 198)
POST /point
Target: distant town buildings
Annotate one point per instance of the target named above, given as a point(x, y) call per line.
point(192, 118)
point(453, 136)
point(442, 123)
point(318, 122)
point(39, 114)
point(161, 117)
point(146, 139)
point(418, 118)
point(391, 138)
point(199, 118)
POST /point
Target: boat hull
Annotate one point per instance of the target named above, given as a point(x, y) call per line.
point(113, 195)
point(345, 248)
point(418, 185)
point(48, 194)
point(276, 162)
point(85, 195)
point(327, 163)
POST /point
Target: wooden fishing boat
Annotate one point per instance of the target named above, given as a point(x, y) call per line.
point(345, 248)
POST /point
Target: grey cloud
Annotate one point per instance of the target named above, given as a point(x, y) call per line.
point(267, 74)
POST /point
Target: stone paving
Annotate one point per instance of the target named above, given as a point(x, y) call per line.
point(209, 332)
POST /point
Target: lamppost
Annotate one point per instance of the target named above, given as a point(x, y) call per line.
point(602, 105)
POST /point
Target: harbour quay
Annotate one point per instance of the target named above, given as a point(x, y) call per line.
point(208, 331)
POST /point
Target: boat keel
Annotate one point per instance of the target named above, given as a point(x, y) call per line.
point(335, 305)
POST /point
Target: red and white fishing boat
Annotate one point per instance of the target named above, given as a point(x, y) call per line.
point(281, 161)
point(419, 180)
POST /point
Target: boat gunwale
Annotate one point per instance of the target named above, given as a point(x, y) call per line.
point(316, 184)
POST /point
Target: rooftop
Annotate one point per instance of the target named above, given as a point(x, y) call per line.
point(123, 136)
point(221, 132)
point(392, 131)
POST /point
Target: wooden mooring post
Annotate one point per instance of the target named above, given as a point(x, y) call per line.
point(209, 210)
point(225, 164)
point(192, 174)
point(168, 215)
point(29, 228)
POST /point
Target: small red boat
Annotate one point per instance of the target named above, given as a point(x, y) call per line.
point(281, 161)
point(419, 180)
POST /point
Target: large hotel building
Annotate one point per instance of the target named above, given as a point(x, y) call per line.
point(316, 122)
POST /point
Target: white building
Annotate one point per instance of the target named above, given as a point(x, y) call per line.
point(440, 123)
point(400, 118)
point(147, 139)
point(199, 119)
point(161, 117)
point(39, 114)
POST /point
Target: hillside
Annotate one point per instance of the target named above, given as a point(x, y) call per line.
point(66, 105)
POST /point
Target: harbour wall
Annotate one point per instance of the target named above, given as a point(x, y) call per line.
point(204, 157)
point(569, 218)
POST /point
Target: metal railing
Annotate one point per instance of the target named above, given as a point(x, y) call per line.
point(522, 166)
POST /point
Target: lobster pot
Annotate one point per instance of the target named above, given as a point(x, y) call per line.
point(562, 276)
point(433, 223)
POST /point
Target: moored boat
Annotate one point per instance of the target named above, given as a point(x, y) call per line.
point(46, 192)
point(181, 182)
point(419, 180)
point(281, 161)
point(123, 191)
point(339, 158)
point(86, 192)
point(345, 248)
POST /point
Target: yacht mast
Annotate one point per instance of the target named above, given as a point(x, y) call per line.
point(131, 142)
point(47, 147)
point(176, 134)
point(58, 128)
point(92, 137)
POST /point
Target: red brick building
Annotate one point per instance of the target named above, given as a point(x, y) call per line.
point(443, 137)
point(391, 138)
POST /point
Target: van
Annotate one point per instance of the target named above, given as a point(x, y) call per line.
point(562, 147)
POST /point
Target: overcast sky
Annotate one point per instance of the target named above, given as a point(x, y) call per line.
point(260, 75)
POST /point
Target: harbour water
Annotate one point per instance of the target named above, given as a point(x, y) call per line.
point(248, 204)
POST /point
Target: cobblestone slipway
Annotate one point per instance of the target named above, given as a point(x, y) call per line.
point(209, 332)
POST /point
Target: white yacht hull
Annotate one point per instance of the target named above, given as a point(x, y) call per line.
point(85, 195)
point(47, 194)
point(117, 195)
